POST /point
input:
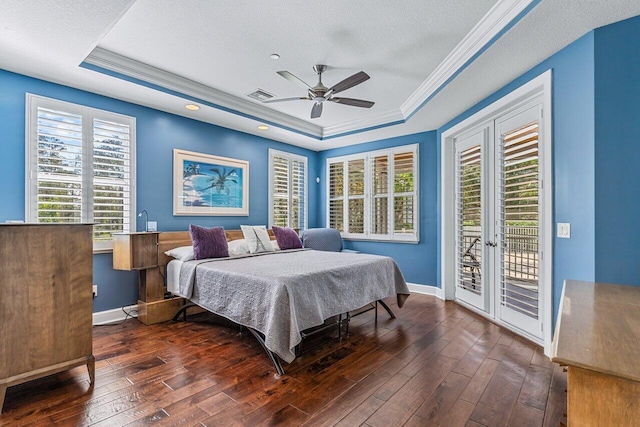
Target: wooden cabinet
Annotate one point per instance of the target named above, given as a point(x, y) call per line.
point(140, 251)
point(45, 301)
point(598, 337)
point(135, 251)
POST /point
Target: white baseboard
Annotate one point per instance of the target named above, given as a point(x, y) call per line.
point(426, 290)
point(116, 315)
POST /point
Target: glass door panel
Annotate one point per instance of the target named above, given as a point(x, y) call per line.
point(470, 205)
point(518, 221)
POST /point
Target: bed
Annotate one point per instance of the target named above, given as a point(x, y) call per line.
point(279, 295)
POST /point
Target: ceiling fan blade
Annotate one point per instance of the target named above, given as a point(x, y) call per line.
point(316, 111)
point(297, 98)
point(349, 82)
point(354, 102)
point(295, 80)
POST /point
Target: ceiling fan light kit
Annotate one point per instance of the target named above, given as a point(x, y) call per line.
point(320, 93)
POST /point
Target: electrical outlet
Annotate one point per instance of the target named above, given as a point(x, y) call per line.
point(564, 230)
point(152, 226)
point(95, 291)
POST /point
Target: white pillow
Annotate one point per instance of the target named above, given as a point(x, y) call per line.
point(238, 247)
point(183, 253)
point(257, 238)
point(275, 245)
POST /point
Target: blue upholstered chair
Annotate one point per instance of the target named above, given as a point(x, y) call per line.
point(323, 239)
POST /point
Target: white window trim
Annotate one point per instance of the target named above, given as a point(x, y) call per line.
point(291, 157)
point(539, 86)
point(31, 132)
point(392, 236)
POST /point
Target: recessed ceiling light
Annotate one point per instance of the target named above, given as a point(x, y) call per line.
point(275, 56)
point(263, 127)
point(192, 107)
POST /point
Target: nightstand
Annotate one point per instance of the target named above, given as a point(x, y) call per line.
point(139, 251)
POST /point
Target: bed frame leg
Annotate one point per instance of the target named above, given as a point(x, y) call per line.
point(346, 319)
point(348, 322)
point(386, 307)
point(274, 357)
point(343, 319)
point(183, 310)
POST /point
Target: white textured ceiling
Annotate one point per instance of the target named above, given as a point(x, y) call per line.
point(225, 45)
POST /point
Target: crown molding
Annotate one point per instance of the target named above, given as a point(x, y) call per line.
point(180, 86)
point(379, 120)
point(490, 26)
point(496, 21)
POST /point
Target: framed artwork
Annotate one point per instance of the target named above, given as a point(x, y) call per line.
point(209, 185)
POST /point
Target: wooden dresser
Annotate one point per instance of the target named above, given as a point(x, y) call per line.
point(45, 301)
point(598, 337)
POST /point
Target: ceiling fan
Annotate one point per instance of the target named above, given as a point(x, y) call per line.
point(320, 93)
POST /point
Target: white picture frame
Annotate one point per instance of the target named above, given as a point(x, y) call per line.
point(208, 185)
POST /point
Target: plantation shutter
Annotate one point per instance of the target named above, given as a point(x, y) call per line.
point(380, 194)
point(374, 195)
point(59, 187)
point(79, 167)
point(469, 219)
point(298, 189)
point(336, 196)
point(404, 192)
point(280, 191)
point(288, 184)
point(356, 196)
point(518, 213)
point(111, 178)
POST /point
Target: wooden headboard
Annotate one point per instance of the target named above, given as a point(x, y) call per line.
point(173, 239)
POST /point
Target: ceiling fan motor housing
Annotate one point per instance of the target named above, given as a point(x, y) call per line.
point(319, 68)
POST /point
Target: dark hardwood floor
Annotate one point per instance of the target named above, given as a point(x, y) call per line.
point(436, 364)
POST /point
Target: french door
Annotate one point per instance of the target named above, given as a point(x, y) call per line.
point(471, 220)
point(498, 219)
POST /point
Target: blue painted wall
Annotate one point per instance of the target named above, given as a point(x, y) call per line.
point(596, 111)
point(158, 133)
point(617, 152)
point(417, 261)
point(573, 162)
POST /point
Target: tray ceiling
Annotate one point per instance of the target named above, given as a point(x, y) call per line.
point(424, 58)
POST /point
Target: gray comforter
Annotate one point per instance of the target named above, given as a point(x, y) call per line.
point(283, 293)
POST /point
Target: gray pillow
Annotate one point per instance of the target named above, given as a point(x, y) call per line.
point(257, 238)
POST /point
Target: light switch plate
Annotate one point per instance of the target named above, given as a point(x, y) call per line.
point(564, 230)
point(152, 226)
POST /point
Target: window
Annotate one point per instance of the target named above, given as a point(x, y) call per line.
point(287, 190)
point(79, 167)
point(374, 195)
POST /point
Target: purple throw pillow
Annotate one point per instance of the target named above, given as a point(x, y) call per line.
point(208, 242)
point(287, 238)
